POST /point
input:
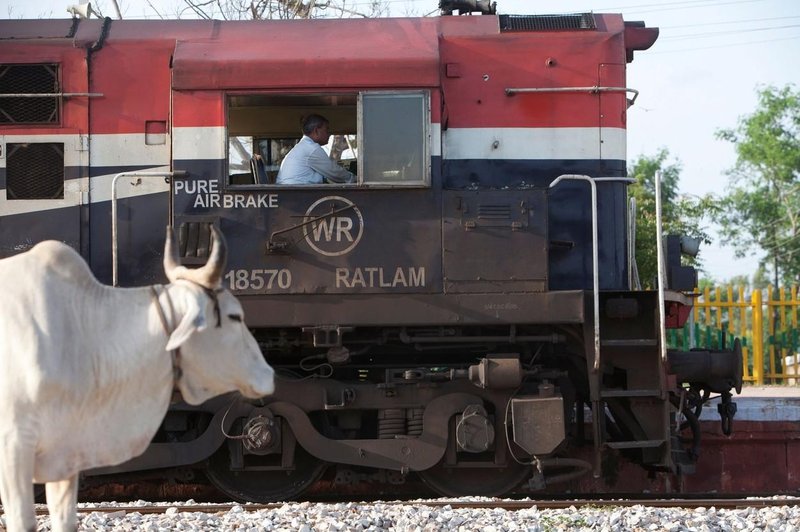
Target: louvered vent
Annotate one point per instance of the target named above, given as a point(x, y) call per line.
point(580, 21)
point(35, 171)
point(23, 81)
point(494, 212)
point(194, 241)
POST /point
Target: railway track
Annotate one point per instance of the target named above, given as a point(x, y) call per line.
point(510, 505)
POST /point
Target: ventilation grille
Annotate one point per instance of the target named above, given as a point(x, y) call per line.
point(580, 21)
point(29, 79)
point(494, 212)
point(194, 241)
point(35, 171)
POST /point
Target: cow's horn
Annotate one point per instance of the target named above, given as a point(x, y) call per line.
point(210, 274)
point(172, 266)
point(212, 271)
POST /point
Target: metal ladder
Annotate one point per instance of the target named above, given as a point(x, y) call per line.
point(647, 398)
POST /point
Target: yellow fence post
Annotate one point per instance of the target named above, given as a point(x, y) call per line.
point(758, 340)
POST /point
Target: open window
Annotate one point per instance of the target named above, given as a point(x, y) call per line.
point(382, 137)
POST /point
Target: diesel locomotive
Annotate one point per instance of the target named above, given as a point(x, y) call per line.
point(466, 312)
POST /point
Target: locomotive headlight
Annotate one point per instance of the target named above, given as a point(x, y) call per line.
point(690, 246)
point(679, 277)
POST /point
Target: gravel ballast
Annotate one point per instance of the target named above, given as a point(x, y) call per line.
point(417, 516)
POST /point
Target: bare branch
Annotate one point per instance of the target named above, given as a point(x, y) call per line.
point(198, 8)
point(116, 8)
point(154, 9)
point(281, 9)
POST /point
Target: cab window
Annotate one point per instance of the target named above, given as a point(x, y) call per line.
point(382, 137)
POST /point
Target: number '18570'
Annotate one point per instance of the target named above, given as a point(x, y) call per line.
point(259, 279)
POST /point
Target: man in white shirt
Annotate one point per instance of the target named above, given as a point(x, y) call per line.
point(307, 163)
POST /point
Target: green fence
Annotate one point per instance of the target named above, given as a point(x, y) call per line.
point(766, 322)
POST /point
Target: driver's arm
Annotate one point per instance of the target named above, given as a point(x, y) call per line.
point(326, 166)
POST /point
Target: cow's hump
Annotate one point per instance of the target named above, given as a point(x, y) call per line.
point(62, 261)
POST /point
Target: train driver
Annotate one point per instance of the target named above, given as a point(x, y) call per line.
point(307, 163)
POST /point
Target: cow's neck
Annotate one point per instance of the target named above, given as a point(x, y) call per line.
point(168, 317)
point(142, 351)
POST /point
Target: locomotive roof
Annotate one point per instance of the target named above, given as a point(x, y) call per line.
point(394, 52)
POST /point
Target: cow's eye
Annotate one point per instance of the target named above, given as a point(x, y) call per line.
point(235, 317)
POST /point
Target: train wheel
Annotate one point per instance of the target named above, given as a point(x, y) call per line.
point(474, 481)
point(263, 485)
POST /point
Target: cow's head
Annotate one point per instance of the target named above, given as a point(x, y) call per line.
point(218, 354)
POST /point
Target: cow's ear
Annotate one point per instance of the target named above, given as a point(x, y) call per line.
point(194, 319)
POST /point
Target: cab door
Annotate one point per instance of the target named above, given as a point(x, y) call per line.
point(43, 146)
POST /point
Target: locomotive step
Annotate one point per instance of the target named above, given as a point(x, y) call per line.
point(630, 393)
point(643, 444)
point(629, 342)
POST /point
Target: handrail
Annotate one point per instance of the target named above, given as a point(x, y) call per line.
point(662, 323)
point(51, 94)
point(634, 283)
point(595, 253)
point(510, 91)
point(114, 242)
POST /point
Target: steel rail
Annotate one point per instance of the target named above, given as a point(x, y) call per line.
point(505, 504)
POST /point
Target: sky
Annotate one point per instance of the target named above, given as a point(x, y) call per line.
point(701, 75)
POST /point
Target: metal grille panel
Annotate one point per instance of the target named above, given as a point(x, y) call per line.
point(35, 171)
point(498, 212)
point(194, 240)
point(580, 21)
point(27, 80)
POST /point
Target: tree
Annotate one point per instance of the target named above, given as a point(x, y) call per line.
point(284, 9)
point(681, 214)
point(761, 208)
point(252, 9)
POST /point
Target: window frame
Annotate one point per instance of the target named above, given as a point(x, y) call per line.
point(425, 182)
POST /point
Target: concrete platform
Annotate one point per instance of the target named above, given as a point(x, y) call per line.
point(761, 403)
point(770, 391)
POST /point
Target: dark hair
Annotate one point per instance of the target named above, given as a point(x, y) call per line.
point(312, 122)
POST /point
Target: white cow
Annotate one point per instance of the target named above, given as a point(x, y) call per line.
point(87, 370)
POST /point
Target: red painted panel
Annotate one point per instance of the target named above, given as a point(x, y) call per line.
point(489, 65)
point(132, 66)
point(207, 108)
point(319, 53)
point(613, 105)
point(134, 78)
point(198, 108)
point(676, 315)
point(74, 78)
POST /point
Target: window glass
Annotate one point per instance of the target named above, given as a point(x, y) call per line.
point(394, 138)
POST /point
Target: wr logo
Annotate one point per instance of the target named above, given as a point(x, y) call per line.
point(335, 227)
